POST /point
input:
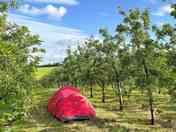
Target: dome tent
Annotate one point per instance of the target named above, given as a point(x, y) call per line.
point(68, 104)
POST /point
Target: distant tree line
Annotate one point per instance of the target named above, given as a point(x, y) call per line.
point(49, 65)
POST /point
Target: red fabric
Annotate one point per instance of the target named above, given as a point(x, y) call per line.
point(68, 103)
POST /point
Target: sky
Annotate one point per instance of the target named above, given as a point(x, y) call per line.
point(62, 24)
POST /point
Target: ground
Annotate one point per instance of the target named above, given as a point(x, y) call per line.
point(134, 118)
point(43, 71)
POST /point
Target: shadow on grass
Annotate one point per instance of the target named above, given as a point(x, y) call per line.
point(109, 118)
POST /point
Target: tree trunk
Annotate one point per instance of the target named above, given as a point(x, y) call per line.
point(159, 91)
point(149, 94)
point(91, 90)
point(118, 86)
point(112, 85)
point(120, 96)
point(151, 108)
point(142, 91)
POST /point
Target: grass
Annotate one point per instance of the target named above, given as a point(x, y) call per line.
point(43, 71)
point(134, 118)
point(109, 119)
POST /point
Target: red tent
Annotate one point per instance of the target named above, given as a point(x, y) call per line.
point(68, 104)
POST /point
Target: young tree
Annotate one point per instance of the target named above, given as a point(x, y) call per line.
point(149, 60)
point(96, 67)
point(86, 58)
point(166, 35)
point(17, 66)
point(117, 56)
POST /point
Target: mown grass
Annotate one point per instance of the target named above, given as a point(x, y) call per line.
point(43, 71)
point(134, 118)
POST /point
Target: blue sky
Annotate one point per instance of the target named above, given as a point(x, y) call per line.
point(62, 23)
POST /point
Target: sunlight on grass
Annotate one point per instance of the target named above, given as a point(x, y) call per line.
point(135, 116)
point(43, 71)
point(108, 119)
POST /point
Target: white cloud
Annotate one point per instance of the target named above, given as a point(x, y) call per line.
point(162, 11)
point(56, 39)
point(65, 2)
point(49, 10)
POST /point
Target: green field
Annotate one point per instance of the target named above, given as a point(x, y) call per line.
point(134, 118)
point(41, 72)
